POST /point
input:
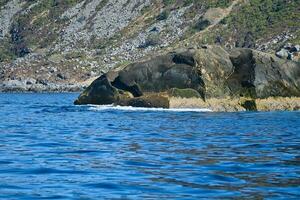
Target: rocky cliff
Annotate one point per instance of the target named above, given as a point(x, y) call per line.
point(61, 44)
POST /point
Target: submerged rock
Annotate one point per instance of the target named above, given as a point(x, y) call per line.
point(202, 73)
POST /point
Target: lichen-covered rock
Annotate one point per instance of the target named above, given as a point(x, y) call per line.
point(184, 93)
point(214, 67)
point(260, 75)
point(206, 73)
point(173, 70)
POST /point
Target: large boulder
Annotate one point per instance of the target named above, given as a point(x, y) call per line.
point(260, 75)
point(205, 73)
point(156, 100)
point(173, 70)
point(99, 92)
point(214, 67)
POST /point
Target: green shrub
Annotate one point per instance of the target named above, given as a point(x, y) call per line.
point(163, 15)
point(209, 3)
point(3, 2)
point(262, 17)
point(201, 24)
point(169, 2)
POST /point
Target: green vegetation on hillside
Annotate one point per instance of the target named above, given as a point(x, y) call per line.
point(254, 21)
point(265, 17)
point(39, 27)
point(208, 3)
point(6, 53)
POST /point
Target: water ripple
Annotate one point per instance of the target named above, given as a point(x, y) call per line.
point(50, 149)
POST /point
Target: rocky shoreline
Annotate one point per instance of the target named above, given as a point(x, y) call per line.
point(37, 88)
point(40, 86)
point(241, 104)
point(204, 77)
point(14, 87)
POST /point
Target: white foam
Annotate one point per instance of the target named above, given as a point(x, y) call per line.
point(134, 109)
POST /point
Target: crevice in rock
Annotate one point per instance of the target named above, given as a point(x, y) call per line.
point(241, 81)
point(134, 90)
point(184, 59)
point(249, 105)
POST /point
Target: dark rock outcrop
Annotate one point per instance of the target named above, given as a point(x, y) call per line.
point(99, 92)
point(148, 101)
point(204, 73)
point(261, 75)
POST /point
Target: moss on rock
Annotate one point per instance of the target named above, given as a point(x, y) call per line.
point(184, 93)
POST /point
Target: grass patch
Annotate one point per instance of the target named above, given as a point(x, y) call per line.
point(184, 93)
point(209, 3)
point(6, 53)
point(264, 17)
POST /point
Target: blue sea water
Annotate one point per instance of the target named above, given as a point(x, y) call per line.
point(51, 149)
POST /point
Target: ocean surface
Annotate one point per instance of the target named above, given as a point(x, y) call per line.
point(51, 149)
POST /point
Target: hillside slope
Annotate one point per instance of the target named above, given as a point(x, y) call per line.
point(55, 42)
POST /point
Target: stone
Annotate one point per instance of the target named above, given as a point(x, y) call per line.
point(259, 75)
point(61, 76)
point(201, 73)
point(248, 104)
point(290, 56)
point(249, 41)
point(288, 46)
point(30, 81)
point(42, 82)
point(283, 53)
point(53, 70)
point(147, 101)
point(99, 92)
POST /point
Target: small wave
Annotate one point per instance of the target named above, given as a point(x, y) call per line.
point(134, 109)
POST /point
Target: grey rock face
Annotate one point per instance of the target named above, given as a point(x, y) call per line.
point(33, 85)
point(111, 18)
point(260, 75)
point(7, 13)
